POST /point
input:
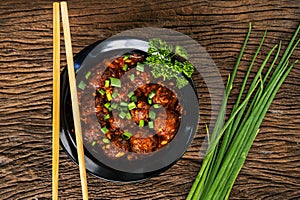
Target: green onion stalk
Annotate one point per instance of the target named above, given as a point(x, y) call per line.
point(230, 142)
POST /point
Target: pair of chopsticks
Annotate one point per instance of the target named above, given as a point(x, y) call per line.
point(56, 98)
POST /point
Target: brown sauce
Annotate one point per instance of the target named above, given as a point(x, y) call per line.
point(140, 116)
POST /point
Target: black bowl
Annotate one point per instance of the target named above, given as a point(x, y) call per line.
point(116, 170)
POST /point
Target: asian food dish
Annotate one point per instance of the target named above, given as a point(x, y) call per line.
point(135, 101)
point(137, 112)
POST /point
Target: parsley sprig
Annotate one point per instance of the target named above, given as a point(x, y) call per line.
point(162, 59)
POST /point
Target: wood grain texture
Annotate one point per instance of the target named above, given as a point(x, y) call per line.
point(272, 167)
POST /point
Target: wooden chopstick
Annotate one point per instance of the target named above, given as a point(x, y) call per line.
point(74, 98)
point(56, 100)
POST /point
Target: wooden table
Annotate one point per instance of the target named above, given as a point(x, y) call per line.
point(272, 167)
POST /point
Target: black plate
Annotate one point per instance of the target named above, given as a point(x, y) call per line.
point(133, 170)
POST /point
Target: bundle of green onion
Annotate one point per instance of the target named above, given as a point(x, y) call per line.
point(225, 158)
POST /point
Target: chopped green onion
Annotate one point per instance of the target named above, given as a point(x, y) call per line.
point(106, 117)
point(131, 106)
point(149, 101)
point(122, 114)
point(115, 82)
point(115, 94)
point(94, 143)
point(128, 116)
point(140, 67)
point(106, 84)
point(151, 124)
point(125, 67)
point(152, 94)
point(101, 91)
point(107, 105)
point(82, 85)
point(106, 141)
point(156, 105)
point(141, 123)
point(114, 105)
point(108, 95)
point(104, 130)
point(133, 99)
point(123, 103)
point(122, 109)
point(87, 75)
point(132, 77)
point(125, 57)
point(152, 115)
point(130, 94)
point(126, 135)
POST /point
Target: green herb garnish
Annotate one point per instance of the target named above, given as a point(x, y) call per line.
point(128, 115)
point(157, 106)
point(108, 96)
point(126, 57)
point(87, 75)
point(132, 77)
point(101, 91)
point(160, 59)
point(104, 130)
point(151, 95)
point(140, 67)
point(133, 98)
point(123, 103)
point(131, 106)
point(123, 109)
point(114, 94)
point(114, 106)
point(107, 105)
point(141, 123)
point(106, 117)
point(179, 50)
point(126, 135)
point(188, 69)
point(115, 82)
point(94, 143)
point(106, 83)
point(122, 115)
point(181, 82)
point(152, 115)
point(151, 124)
point(106, 141)
point(125, 67)
point(130, 94)
point(82, 85)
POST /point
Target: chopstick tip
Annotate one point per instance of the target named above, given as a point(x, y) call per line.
point(63, 3)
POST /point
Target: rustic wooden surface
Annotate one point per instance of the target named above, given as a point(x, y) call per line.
point(272, 167)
